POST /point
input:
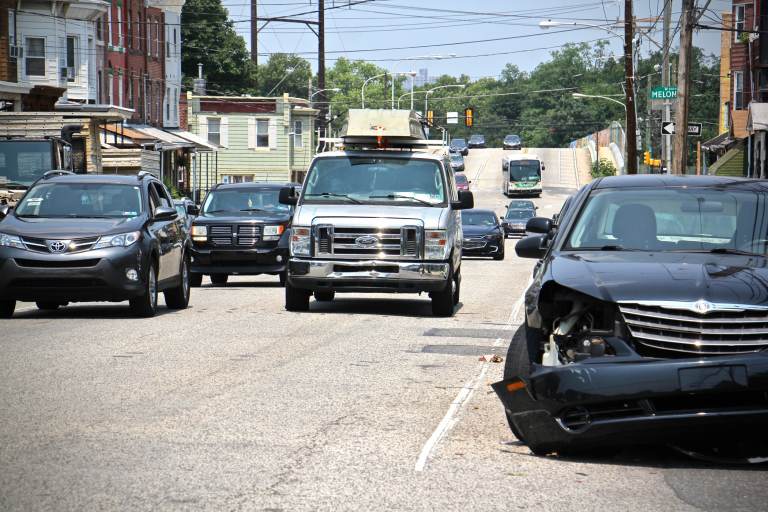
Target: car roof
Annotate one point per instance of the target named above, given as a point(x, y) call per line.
point(256, 184)
point(480, 210)
point(93, 178)
point(420, 155)
point(666, 180)
point(524, 156)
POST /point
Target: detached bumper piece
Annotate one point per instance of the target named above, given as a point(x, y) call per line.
point(368, 276)
point(601, 403)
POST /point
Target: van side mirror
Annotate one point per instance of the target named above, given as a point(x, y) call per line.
point(466, 201)
point(193, 210)
point(288, 196)
point(5, 210)
point(541, 225)
point(532, 247)
point(543, 167)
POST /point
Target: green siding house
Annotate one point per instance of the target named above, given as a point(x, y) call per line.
point(261, 139)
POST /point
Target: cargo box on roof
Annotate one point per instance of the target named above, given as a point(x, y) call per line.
point(392, 124)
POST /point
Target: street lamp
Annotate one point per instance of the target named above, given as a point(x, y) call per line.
point(579, 95)
point(412, 74)
point(362, 90)
point(426, 96)
point(335, 89)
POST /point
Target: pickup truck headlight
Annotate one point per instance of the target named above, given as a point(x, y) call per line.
point(301, 241)
point(273, 232)
point(199, 233)
point(11, 241)
point(436, 245)
point(119, 240)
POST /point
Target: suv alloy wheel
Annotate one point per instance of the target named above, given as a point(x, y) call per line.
point(178, 297)
point(145, 305)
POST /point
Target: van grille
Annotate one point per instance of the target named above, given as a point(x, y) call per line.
point(368, 243)
point(680, 328)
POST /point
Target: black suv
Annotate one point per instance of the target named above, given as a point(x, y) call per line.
point(93, 238)
point(242, 229)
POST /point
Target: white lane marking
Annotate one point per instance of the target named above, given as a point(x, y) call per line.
point(451, 416)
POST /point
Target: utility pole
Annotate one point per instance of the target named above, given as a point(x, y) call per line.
point(321, 62)
point(680, 160)
point(254, 33)
point(631, 134)
point(666, 140)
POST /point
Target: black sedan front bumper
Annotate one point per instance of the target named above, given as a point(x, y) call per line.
point(482, 247)
point(253, 261)
point(600, 402)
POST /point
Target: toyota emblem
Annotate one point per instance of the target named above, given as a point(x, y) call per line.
point(703, 307)
point(57, 246)
point(366, 241)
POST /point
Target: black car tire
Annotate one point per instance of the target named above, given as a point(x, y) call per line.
point(500, 255)
point(324, 296)
point(443, 301)
point(7, 307)
point(296, 299)
point(219, 279)
point(195, 279)
point(457, 290)
point(283, 277)
point(47, 305)
point(178, 297)
point(145, 305)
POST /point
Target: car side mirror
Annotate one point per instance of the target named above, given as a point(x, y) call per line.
point(541, 225)
point(193, 209)
point(466, 201)
point(534, 246)
point(288, 196)
point(5, 210)
point(164, 213)
point(543, 167)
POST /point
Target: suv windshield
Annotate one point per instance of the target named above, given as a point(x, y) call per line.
point(375, 179)
point(245, 199)
point(524, 170)
point(23, 162)
point(470, 218)
point(679, 219)
point(81, 200)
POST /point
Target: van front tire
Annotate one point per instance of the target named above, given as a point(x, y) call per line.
point(296, 299)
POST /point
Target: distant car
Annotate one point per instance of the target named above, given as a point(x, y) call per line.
point(459, 146)
point(462, 183)
point(483, 234)
point(512, 142)
point(457, 162)
point(477, 141)
point(522, 204)
point(184, 206)
point(514, 221)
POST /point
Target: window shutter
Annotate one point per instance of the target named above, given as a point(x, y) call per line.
point(272, 133)
point(251, 133)
point(224, 132)
point(62, 58)
point(202, 123)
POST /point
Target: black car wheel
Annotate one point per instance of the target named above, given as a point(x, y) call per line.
point(47, 305)
point(324, 296)
point(457, 288)
point(178, 297)
point(195, 280)
point(296, 299)
point(500, 255)
point(283, 277)
point(219, 279)
point(7, 307)
point(443, 301)
point(145, 305)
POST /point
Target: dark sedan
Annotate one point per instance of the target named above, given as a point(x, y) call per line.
point(512, 142)
point(477, 141)
point(647, 320)
point(457, 162)
point(459, 146)
point(483, 234)
point(514, 221)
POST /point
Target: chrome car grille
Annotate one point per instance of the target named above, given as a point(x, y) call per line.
point(74, 245)
point(368, 243)
point(239, 235)
point(698, 327)
point(474, 243)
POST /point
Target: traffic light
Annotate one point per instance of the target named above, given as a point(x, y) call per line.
point(647, 158)
point(430, 117)
point(469, 117)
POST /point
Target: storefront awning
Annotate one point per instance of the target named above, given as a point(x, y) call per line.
point(199, 142)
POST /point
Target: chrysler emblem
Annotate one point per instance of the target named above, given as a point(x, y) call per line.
point(366, 241)
point(57, 246)
point(703, 307)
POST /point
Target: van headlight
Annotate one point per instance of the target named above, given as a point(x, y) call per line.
point(119, 240)
point(199, 233)
point(301, 241)
point(11, 241)
point(436, 245)
point(273, 232)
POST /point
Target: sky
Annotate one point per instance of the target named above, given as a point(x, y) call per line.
point(475, 38)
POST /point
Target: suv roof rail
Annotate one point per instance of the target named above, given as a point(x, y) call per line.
point(56, 172)
point(143, 174)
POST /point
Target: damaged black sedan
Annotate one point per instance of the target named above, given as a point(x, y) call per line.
point(647, 320)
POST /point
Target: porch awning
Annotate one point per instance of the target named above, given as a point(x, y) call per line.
point(166, 140)
point(719, 143)
point(199, 142)
point(757, 119)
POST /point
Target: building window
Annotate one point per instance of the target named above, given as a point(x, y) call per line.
point(262, 133)
point(149, 35)
point(233, 178)
point(71, 58)
point(99, 88)
point(120, 89)
point(100, 29)
point(298, 132)
point(157, 39)
point(214, 130)
point(35, 56)
point(738, 90)
point(119, 26)
point(739, 16)
point(130, 91)
point(108, 27)
point(174, 41)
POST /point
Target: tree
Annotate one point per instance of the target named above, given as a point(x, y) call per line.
point(284, 72)
point(208, 37)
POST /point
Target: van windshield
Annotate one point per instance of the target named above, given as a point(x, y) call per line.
point(363, 179)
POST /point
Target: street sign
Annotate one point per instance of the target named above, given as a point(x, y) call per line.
point(664, 93)
point(668, 128)
point(452, 117)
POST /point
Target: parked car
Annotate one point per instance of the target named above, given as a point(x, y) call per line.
point(514, 221)
point(483, 234)
point(647, 320)
point(512, 142)
point(462, 182)
point(457, 162)
point(477, 141)
point(242, 229)
point(183, 207)
point(94, 238)
point(459, 146)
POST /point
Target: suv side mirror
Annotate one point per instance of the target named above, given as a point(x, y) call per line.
point(5, 210)
point(532, 247)
point(193, 210)
point(288, 196)
point(541, 225)
point(164, 213)
point(466, 201)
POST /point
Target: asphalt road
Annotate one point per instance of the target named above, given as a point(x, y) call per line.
point(364, 403)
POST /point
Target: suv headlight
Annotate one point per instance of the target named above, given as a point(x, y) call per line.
point(273, 232)
point(119, 240)
point(301, 241)
point(436, 245)
point(11, 241)
point(199, 233)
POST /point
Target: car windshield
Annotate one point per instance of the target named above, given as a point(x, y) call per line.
point(375, 179)
point(244, 200)
point(457, 158)
point(524, 170)
point(519, 214)
point(470, 218)
point(461, 179)
point(521, 205)
point(477, 138)
point(673, 219)
point(512, 138)
point(458, 142)
point(81, 200)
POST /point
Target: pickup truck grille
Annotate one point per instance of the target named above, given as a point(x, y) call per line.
point(238, 235)
point(368, 243)
point(727, 330)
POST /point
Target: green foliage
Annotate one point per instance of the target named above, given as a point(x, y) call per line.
point(275, 77)
point(602, 168)
point(172, 188)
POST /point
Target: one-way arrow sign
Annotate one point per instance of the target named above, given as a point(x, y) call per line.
point(668, 128)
